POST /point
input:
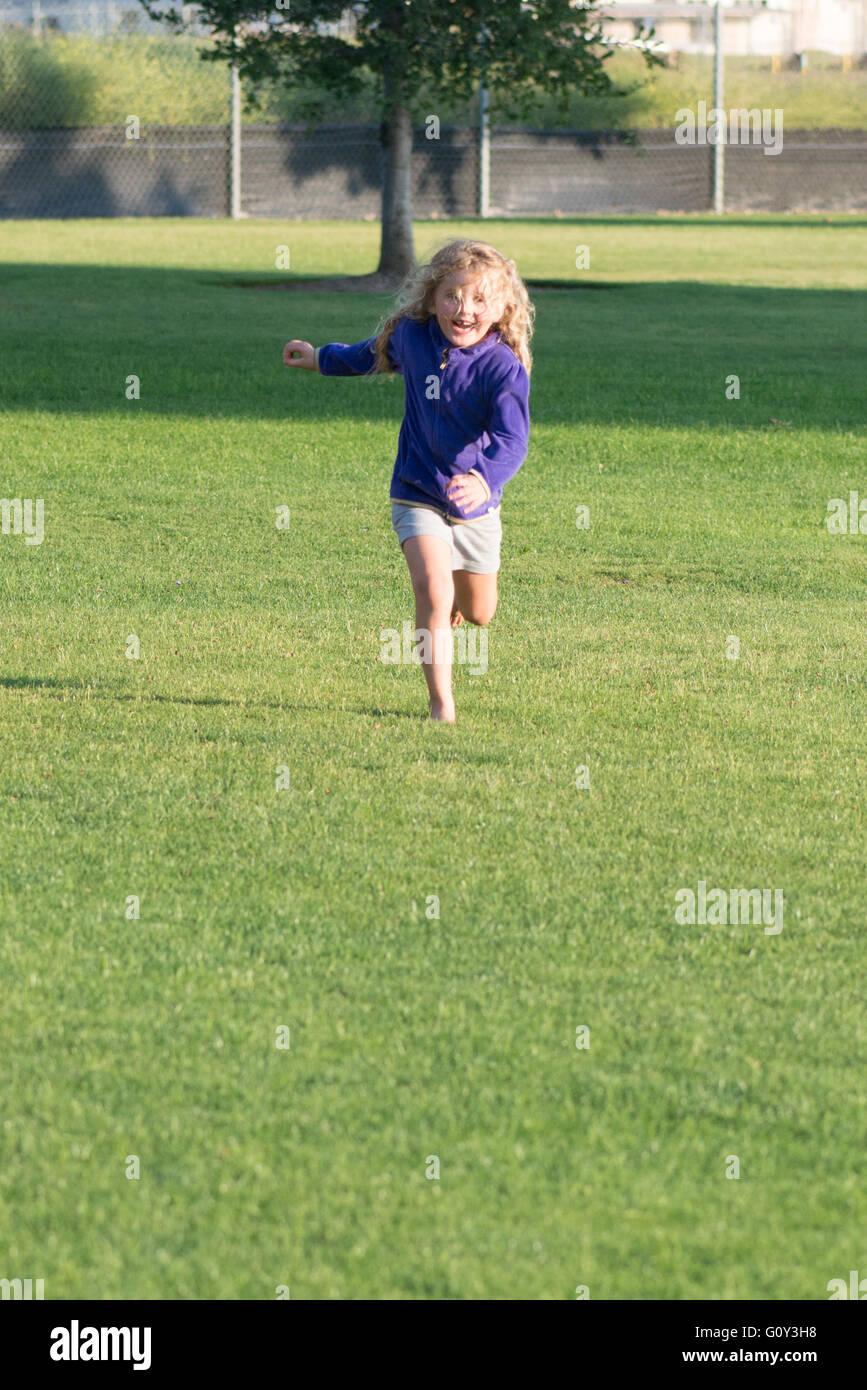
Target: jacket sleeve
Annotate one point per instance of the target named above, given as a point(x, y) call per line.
point(508, 431)
point(357, 359)
point(343, 359)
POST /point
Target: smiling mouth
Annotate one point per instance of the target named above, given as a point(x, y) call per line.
point(463, 327)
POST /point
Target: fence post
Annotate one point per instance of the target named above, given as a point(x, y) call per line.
point(484, 135)
point(719, 148)
point(484, 153)
point(235, 146)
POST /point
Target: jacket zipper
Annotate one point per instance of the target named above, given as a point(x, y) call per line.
point(443, 365)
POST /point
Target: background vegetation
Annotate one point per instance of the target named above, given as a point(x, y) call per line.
point(76, 80)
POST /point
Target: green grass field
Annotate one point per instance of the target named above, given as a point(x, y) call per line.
point(413, 1037)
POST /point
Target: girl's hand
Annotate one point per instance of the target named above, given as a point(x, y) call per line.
point(300, 354)
point(467, 491)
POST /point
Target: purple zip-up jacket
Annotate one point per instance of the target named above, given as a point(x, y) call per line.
point(466, 411)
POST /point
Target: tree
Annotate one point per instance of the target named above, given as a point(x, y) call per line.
point(553, 46)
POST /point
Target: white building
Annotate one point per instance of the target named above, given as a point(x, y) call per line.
point(780, 27)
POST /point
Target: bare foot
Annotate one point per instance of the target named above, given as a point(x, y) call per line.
point(442, 712)
point(457, 617)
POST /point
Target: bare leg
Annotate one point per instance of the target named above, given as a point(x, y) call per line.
point(430, 568)
point(475, 596)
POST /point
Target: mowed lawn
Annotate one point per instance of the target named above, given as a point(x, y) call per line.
point(309, 907)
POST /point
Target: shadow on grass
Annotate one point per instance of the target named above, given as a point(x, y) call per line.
point(203, 348)
point(72, 687)
point(372, 284)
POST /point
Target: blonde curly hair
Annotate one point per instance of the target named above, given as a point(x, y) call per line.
point(498, 274)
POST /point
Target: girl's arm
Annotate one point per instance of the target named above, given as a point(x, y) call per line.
point(342, 359)
point(337, 359)
point(508, 431)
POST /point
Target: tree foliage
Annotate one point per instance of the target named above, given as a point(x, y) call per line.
point(435, 46)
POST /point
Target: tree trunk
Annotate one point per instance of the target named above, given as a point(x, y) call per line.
point(397, 251)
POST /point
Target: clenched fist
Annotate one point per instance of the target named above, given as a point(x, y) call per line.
point(467, 491)
point(300, 354)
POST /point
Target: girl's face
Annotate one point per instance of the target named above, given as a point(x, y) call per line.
point(465, 311)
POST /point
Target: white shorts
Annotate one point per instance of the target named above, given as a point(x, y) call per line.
point(475, 545)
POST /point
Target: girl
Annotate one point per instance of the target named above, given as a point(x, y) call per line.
point(460, 338)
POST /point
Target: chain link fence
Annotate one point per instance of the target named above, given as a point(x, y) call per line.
point(93, 124)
